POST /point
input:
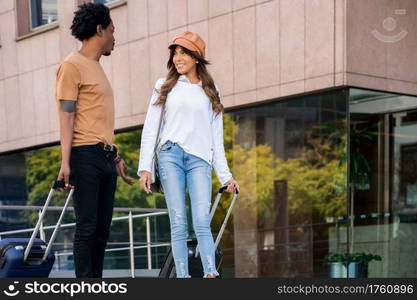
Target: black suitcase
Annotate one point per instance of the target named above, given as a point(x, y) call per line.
point(23, 257)
point(195, 266)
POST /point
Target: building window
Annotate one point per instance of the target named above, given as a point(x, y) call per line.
point(43, 12)
point(34, 16)
point(111, 3)
point(106, 1)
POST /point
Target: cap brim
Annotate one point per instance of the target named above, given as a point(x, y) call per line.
point(186, 44)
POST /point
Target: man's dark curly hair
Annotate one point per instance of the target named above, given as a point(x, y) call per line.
point(86, 19)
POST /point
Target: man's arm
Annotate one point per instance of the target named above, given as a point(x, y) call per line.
point(67, 115)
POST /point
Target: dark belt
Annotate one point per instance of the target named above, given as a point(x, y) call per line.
point(107, 147)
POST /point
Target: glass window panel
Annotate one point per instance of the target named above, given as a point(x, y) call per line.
point(383, 181)
point(43, 12)
point(106, 1)
point(290, 160)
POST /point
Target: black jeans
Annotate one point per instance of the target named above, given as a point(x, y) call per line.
point(94, 176)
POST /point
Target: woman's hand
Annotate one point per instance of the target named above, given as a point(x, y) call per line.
point(232, 186)
point(145, 181)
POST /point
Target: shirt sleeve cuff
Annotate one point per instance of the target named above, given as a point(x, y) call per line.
point(223, 180)
point(141, 170)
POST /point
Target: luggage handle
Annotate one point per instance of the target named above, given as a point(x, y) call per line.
point(56, 184)
point(218, 197)
point(213, 210)
point(223, 227)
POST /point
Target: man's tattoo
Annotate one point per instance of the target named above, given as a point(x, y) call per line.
point(68, 106)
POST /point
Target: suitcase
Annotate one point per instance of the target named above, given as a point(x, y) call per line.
point(195, 266)
point(23, 257)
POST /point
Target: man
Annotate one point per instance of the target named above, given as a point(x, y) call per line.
point(89, 158)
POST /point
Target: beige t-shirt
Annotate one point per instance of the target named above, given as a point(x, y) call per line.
point(83, 80)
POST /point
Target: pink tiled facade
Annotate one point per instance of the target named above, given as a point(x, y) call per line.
point(259, 50)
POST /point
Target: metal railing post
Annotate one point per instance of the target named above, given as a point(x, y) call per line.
point(132, 250)
point(41, 229)
point(148, 242)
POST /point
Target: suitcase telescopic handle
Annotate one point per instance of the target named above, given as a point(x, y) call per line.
point(216, 202)
point(56, 184)
point(213, 210)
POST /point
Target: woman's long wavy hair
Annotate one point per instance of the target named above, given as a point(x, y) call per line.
point(205, 77)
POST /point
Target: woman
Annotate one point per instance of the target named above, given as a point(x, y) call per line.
point(190, 144)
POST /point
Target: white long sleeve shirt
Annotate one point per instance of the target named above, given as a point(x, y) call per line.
point(189, 121)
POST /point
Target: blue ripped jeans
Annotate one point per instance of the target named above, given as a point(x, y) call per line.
point(179, 170)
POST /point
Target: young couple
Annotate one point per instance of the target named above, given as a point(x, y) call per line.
point(188, 144)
